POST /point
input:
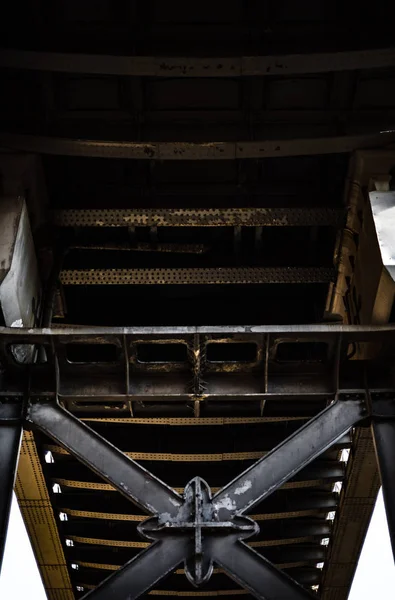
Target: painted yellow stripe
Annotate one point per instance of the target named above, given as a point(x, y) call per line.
point(100, 542)
point(178, 594)
point(125, 544)
point(107, 567)
point(170, 457)
point(193, 421)
point(88, 485)
point(87, 514)
point(39, 518)
point(101, 566)
point(138, 518)
point(106, 487)
point(284, 542)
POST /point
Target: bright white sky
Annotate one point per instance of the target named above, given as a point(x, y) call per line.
point(375, 577)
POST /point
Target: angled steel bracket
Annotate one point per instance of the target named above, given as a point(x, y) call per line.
point(195, 528)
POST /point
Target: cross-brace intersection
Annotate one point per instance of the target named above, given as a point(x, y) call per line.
point(197, 529)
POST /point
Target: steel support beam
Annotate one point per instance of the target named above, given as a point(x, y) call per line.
point(349, 333)
point(254, 573)
point(384, 438)
point(10, 439)
point(143, 571)
point(196, 276)
point(196, 528)
point(287, 459)
point(198, 217)
point(128, 477)
point(164, 66)
point(195, 150)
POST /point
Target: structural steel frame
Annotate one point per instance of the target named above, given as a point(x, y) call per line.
point(195, 528)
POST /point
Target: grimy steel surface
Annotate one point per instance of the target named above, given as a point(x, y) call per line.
point(195, 217)
point(195, 528)
point(188, 167)
point(208, 521)
point(181, 151)
point(207, 276)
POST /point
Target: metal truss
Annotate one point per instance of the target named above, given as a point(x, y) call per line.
point(197, 528)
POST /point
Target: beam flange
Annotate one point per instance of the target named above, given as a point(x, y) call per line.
point(189, 67)
point(210, 150)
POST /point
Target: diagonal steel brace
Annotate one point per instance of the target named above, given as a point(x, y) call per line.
point(197, 529)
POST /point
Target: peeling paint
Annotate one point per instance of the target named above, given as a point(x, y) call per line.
point(226, 502)
point(247, 485)
point(17, 323)
point(165, 518)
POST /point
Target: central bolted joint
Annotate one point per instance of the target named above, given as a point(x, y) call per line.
point(197, 519)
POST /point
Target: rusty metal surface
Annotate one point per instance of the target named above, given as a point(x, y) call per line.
point(195, 217)
point(196, 276)
point(194, 150)
point(122, 384)
point(146, 247)
point(300, 93)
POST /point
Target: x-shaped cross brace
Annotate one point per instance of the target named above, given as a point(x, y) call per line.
point(197, 529)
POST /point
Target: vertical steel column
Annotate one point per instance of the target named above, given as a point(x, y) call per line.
point(10, 438)
point(384, 438)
